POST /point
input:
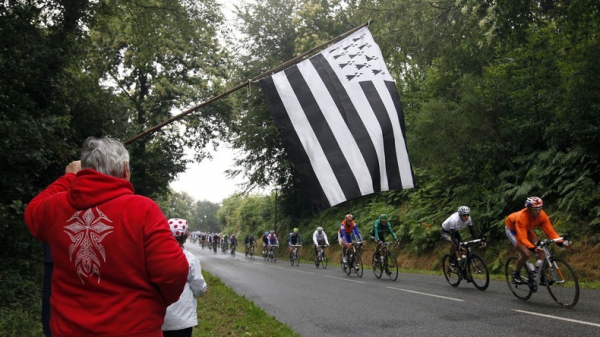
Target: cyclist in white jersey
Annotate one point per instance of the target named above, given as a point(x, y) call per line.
point(319, 239)
point(452, 226)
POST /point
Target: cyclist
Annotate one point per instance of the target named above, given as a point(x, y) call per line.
point(272, 239)
point(294, 239)
point(265, 242)
point(451, 227)
point(319, 239)
point(224, 241)
point(232, 242)
point(216, 240)
point(348, 228)
point(249, 241)
point(380, 228)
point(519, 230)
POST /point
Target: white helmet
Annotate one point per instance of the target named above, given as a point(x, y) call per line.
point(462, 210)
point(320, 229)
point(178, 226)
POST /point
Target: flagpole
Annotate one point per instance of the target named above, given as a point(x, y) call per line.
point(240, 86)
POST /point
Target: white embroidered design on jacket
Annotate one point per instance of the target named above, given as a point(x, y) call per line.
point(87, 233)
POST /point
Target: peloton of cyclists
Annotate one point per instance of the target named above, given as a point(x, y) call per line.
point(319, 239)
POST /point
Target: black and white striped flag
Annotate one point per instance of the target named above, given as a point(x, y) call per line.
point(341, 120)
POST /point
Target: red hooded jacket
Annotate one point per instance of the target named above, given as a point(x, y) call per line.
point(116, 264)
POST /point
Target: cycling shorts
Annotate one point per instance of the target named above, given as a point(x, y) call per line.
point(448, 236)
point(512, 236)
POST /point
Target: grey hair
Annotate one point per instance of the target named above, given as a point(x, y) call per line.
point(105, 155)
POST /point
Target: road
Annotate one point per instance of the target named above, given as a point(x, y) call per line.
point(327, 302)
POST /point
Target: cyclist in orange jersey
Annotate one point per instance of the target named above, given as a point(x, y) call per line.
point(519, 230)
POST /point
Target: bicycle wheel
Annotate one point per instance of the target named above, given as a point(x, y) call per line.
point(297, 259)
point(477, 270)
point(377, 267)
point(561, 281)
point(521, 290)
point(357, 265)
point(292, 259)
point(323, 260)
point(392, 267)
point(450, 272)
point(348, 266)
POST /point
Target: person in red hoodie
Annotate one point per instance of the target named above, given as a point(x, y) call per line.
point(117, 265)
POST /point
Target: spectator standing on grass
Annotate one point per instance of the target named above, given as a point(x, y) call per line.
point(116, 264)
point(181, 316)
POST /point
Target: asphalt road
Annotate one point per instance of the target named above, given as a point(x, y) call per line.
point(327, 302)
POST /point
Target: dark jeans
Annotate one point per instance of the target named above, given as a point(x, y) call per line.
point(46, 290)
point(178, 333)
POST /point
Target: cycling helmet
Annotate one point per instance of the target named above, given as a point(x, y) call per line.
point(266, 233)
point(383, 217)
point(295, 230)
point(534, 202)
point(464, 210)
point(349, 217)
point(272, 231)
point(178, 226)
point(320, 229)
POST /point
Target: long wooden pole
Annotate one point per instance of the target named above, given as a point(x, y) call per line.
point(232, 90)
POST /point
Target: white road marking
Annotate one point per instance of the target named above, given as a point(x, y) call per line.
point(426, 294)
point(560, 318)
point(302, 271)
point(345, 279)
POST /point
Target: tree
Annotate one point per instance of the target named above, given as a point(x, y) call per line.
point(162, 55)
point(204, 216)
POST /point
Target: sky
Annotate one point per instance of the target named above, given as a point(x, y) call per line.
point(207, 180)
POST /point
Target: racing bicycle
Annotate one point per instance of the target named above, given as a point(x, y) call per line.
point(321, 257)
point(555, 273)
point(294, 258)
point(250, 251)
point(387, 262)
point(471, 267)
point(353, 260)
point(271, 253)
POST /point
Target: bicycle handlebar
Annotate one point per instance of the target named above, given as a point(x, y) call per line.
point(547, 242)
point(466, 243)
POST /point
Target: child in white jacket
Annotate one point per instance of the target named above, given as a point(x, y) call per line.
point(181, 316)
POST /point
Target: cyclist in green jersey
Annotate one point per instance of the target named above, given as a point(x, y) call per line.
point(381, 227)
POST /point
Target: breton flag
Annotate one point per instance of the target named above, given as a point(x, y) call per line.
point(342, 123)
